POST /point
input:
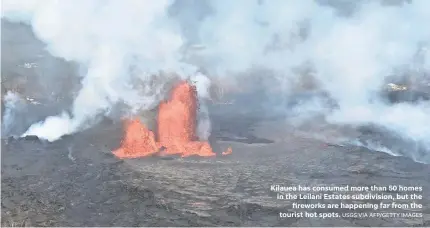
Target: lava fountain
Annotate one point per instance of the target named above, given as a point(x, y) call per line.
point(176, 128)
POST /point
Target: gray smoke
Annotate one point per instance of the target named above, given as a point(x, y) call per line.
point(349, 48)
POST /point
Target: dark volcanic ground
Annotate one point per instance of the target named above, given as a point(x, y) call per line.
point(77, 182)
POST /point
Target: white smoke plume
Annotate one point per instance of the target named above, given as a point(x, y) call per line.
point(350, 51)
point(120, 42)
point(12, 103)
point(202, 84)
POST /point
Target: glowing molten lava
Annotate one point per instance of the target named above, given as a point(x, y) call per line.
point(176, 125)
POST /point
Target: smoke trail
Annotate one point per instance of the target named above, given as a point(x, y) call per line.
point(349, 50)
point(204, 127)
point(351, 56)
point(12, 103)
point(355, 57)
point(115, 41)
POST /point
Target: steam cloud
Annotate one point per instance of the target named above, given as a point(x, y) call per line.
point(351, 51)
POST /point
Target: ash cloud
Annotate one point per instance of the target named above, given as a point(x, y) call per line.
point(347, 49)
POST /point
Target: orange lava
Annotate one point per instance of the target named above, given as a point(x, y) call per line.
point(228, 151)
point(176, 125)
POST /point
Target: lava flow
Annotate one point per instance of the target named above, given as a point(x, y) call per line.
point(176, 127)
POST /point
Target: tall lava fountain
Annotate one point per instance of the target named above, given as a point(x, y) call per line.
point(176, 129)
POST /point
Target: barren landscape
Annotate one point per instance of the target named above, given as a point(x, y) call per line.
point(77, 181)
